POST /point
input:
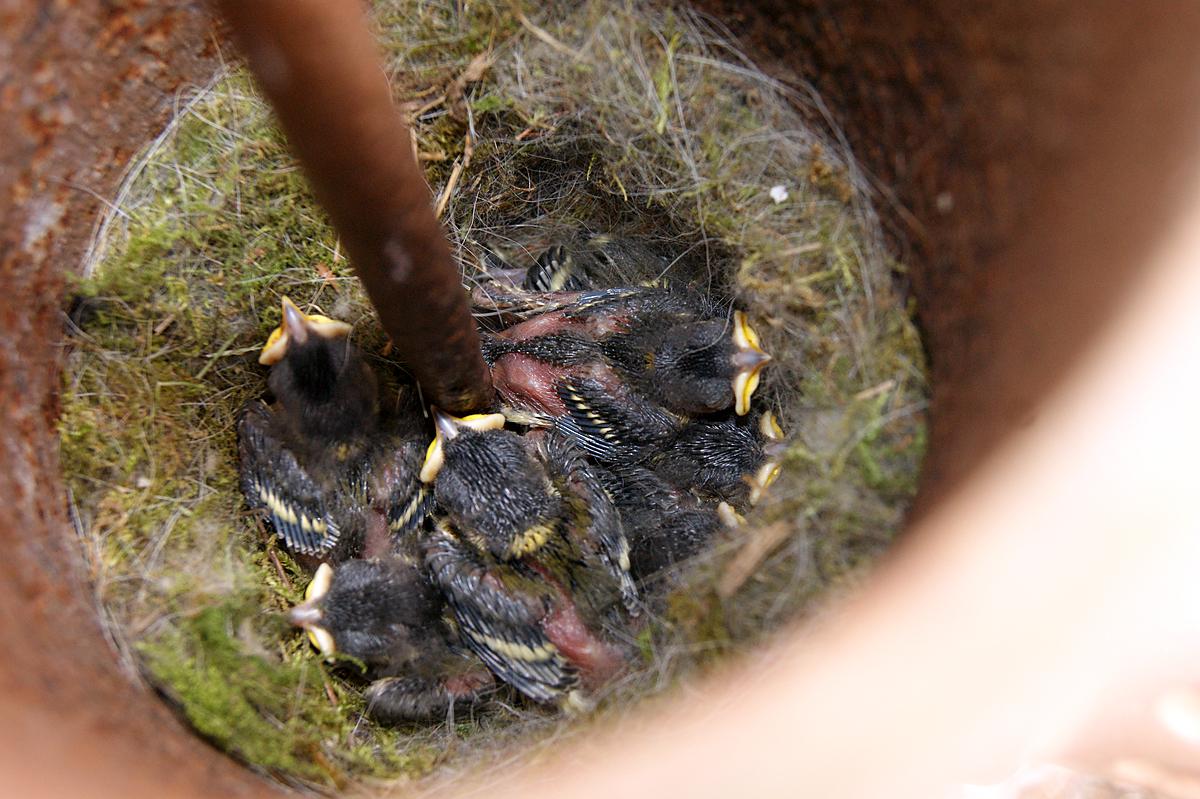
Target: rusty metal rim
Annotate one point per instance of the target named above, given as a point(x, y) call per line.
point(1033, 149)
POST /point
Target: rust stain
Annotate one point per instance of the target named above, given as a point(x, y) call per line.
point(976, 102)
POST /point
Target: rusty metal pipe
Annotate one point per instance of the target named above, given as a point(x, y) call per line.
point(317, 63)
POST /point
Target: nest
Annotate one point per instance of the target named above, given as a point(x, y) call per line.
point(637, 122)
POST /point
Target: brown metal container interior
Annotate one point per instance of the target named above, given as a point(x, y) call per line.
point(1027, 148)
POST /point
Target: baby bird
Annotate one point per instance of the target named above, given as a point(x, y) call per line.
point(531, 556)
point(384, 613)
point(556, 269)
point(665, 524)
point(330, 472)
point(692, 367)
point(622, 371)
point(598, 260)
point(725, 458)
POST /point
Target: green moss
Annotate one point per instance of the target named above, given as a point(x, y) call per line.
point(700, 616)
point(254, 705)
point(228, 695)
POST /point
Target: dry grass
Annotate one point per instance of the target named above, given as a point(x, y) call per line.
point(601, 118)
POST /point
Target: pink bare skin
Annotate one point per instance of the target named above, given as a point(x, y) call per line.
point(553, 322)
point(597, 660)
point(525, 382)
point(468, 684)
point(377, 541)
point(528, 383)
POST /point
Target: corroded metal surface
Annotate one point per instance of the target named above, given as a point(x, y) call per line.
point(1037, 131)
point(1000, 135)
point(82, 85)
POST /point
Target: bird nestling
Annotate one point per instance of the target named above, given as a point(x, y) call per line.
point(730, 458)
point(598, 260)
point(384, 613)
point(665, 524)
point(623, 371)
point(531, 555)
point(331, 473)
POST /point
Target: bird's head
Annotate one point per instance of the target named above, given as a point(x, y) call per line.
point(707, 366)
point(318, 376)
point(295, 330)
point(449, 428)
point(490, 484)
point(373, 610)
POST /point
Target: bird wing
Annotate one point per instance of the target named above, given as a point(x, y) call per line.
point(392, 483)
point(556, 270)
point(416, 697)
point(526, 304)
point(611, 428)
point(595, 511)
point(718, 458)
point(502, 627)
point(274, 480)
point(407, 508)
point(664, 525)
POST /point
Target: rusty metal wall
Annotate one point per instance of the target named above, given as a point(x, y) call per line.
point(1037, 131)
point(82, 86)
point(1006, 134)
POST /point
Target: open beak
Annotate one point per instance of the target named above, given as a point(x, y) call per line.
point(748, 360)
point(729, 517)
point(774, 447)
point(308, 614)
point(297, 326)
point(447, 428)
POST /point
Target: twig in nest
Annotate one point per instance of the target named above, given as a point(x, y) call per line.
point(460, 165)
point(329, 692)
point(412, 140)
point(279, 568)
point(164, 324)
point(875, 391)
point(760, 543)
point(473, 73)
point(542, 34)
point(429, 106)
point(534, 132)
point(428, 90)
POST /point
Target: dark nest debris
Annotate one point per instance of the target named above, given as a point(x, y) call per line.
point(632, 121)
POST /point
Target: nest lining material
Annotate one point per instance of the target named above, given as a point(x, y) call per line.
point(633, 121)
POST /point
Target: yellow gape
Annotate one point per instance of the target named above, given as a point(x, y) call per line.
point(319, 587)
point(296, 326)
point(749, 358)
point(447, 428)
